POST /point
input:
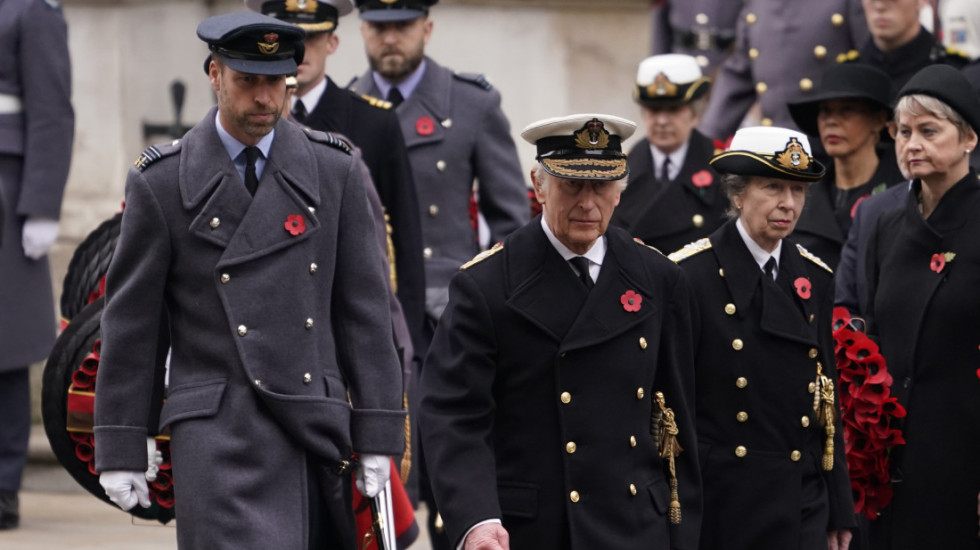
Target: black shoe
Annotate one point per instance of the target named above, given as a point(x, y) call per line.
point(9, 510)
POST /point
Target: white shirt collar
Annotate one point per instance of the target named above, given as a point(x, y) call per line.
point(758, 253)
point(311, 98)
point(595, 254)
point(676, 160)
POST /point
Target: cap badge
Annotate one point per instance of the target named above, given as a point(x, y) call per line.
point(592, 136)
point(271, 44)
point(662, 86)
point(301, 5)
point(794, 156)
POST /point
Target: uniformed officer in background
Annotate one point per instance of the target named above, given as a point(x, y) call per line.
point(781, 49)
point(254, 237)
point(673, 196)
point(37, 125)
point(544, 392)
point(704, 29)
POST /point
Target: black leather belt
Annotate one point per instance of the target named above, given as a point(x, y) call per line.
point(703, 39)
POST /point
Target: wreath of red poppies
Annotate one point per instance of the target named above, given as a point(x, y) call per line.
point(868, 412)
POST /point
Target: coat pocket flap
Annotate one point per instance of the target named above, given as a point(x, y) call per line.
point(518, 499)
point(194, 400)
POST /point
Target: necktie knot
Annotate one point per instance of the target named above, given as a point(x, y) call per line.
point(665, 170)
point(581, 265)
point(299, 112)
point(395, 96)
point(251, 179)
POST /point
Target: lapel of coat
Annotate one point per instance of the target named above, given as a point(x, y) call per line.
point(546, 291)
point(333, 112)
point(699, 150)
point(424, 116)
point(786, 314)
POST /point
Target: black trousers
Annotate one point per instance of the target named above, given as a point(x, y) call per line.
point(15, 426)
point(330, 508)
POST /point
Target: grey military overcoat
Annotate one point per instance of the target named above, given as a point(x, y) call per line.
point(281, 340)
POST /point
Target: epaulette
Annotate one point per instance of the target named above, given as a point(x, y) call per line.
point(809, 255)
point(640, 242)
point(154, 153)
point(483, 255)
point(849, 56)
point(474, 78)
point(690, 249)
point(328, 138)
point(375, 101)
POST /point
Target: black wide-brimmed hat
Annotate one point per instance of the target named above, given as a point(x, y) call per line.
point(769, 152)
point(669, 79)
point(843, 81)
point(313, 16)
point(948, 85)
point(252, 43)
point(384, 11)
point(581, 147)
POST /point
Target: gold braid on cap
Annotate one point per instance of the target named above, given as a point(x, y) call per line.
point(669, 448)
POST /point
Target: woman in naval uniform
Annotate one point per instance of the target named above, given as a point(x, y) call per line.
point(772, 457)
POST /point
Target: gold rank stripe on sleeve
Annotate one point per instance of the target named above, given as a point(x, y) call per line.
point(483, 255)
point(809, 255)
point(689, 250)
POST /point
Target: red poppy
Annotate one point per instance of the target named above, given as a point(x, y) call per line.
point(938, 263)
point(425, 126)
point(702, 178)
point(978, 373)
point(857, 202)
point(631, 301)
point(295, 224)
point(802, 285)
point(723, 145)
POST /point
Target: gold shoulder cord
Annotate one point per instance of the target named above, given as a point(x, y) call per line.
point(669, 448)
point(823, 405)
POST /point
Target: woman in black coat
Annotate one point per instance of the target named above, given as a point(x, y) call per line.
point(772, 456)
point(923, 282)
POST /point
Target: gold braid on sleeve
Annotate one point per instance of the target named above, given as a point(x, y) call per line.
point(823, 405)
point(406, 465)
point(669, 448)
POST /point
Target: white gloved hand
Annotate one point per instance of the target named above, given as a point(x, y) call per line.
point(126, 488)
point(37, 236)
point(154, 460)
point(372, 474)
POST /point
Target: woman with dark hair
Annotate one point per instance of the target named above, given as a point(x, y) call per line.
point(848, 112)
point(772, 456)
point(924, 310)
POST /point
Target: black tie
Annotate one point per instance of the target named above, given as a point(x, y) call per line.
point(299, 112)
point(665, 170)
point(251, 180)
point(770, 265)
point(395, 96)
point(581, 265)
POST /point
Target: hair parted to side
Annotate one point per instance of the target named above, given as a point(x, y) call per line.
point(921, 104)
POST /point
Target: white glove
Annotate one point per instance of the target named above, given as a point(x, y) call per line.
point(154, 460)
point(38, 236)
point(126, 488)
point(372, 474)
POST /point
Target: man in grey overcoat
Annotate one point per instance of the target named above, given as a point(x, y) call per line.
point(37, 126)
point(253, 239)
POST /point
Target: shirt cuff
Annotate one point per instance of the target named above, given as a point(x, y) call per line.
point(462, 541)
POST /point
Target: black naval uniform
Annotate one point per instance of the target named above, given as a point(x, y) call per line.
point(926, 323)
point(375, 131)
point(909, 58)
point(669, 214)
point(826, 217)
point(760, 443)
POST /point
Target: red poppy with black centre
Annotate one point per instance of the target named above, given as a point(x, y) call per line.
point(631, 301)
point(295, 224)
point(937, 263)
point(425, 126)
point(702, 179)
point(802, 285)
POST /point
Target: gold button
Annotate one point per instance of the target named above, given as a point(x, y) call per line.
point(427, 253)
point(225, 278)
point(737, 344)
point(806, 84)
point(566, 397)
point(698, 220)
point(813, 353)
point(640, 393)
point(702, 61)
point(837, 19)
point(632, 441)
point(643, 343)
point(447, 123)
point(311, 209)
point(730, 309)
point(433, 210)
point(258, 382)
point(573, 496)
point(441, 166)
point(563, 354)
point(812, 387)
point(242, 330)
point(761, 87)
point(741, 382)
point(811, 317)
point(750, 18)
point(313, 267)
point(795, 456)
point(721, 272)
point(766, 121)
point(742, 416)
point(805, 421)
point(570, 447)
point(753, 53)
point(741, 451)
point(307, 378)
point(632, 489)
point(820, 52)
point(701, 19)
point(309, 323)
point(215, 222)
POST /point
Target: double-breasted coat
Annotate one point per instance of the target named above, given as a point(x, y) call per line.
point(537, 397)
point(281, 350)
point(760, 441)
point(37, 126)
point(704, 29)
point(924, 313)
point(669, 214)
point(456, 133)
point(909, 58)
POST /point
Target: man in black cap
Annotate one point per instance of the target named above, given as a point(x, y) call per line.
point(559, 382)
point(252, 239)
